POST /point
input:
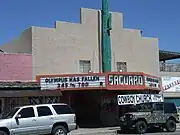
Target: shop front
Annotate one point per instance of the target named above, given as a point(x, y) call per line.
point(93, 96)
point(13, 94)
point(125, 83)
point(171, 89)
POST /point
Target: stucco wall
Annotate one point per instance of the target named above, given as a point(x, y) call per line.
point(172, 74)
point(58, 50)
point(15, 67)
point(22, 44)
point(68, 43)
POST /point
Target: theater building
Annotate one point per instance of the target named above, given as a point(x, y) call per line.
point(94, 95)
point(73, 48)
point(69, 50)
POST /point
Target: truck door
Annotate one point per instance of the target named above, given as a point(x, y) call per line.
point(158, 113)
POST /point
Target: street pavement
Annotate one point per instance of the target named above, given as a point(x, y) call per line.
point(113, 131)
point(162, 133)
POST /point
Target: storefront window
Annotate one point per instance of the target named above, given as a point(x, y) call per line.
point(11, 113)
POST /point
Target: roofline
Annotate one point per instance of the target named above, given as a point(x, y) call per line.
point(170, 55)
point(171, 52)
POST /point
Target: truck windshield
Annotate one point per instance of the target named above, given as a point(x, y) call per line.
point(10, 114)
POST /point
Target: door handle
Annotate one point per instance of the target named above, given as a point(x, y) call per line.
point(51, 118)
point(33, 120)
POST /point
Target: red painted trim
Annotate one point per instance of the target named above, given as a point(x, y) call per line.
point(151, 75)
point(81, 89)
point(144, 84)
point(106, 80)
point(65, 75)
point(125, 73)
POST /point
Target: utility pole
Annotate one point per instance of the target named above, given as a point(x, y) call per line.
point(106, 39)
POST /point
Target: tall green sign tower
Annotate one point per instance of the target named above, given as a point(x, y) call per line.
point(106, 39)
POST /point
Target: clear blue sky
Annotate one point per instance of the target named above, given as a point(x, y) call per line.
point(156, 18)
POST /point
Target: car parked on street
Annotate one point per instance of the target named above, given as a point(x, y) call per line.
point(55, 119)
point(152, 116)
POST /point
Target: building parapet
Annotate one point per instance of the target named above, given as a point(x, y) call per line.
point(171, 94)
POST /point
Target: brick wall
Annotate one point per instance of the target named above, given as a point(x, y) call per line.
point(15, 67)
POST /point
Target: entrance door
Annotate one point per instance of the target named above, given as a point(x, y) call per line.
point(45, 120)
point(26, 123)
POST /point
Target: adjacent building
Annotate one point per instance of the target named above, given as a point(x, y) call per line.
point(16, 93)
point(170, 75)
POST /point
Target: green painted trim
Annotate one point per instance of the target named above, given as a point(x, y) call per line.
point(106, 39)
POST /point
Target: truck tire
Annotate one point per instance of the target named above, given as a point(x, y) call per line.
point(170, 125)
point(3, 133)
point(59, 130)
point(140, 127)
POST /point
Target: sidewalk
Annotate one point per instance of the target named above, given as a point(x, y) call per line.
point(91, 131)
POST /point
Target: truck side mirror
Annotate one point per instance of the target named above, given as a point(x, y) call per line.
point(18, 116)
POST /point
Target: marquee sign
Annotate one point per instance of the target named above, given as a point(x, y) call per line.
point(171, 84)
point(152, 82)
point(125, 80)
point(139, 98)
point(66, 82)
point(107, 81)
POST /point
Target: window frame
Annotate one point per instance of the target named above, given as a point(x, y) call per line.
point(84, 66)
point(121, 65)
point(171, 108)
point(155, 107)
point(42, 107)
point(17, 113)
point(71, 111)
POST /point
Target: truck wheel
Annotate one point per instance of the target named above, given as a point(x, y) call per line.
point(3, 133)
point(171, 126)
point(59, 130)
point(140, 127)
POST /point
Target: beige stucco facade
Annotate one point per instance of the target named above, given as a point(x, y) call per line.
point(172, 74)
point(58, 50)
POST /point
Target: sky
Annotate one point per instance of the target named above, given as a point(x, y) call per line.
point(156, 18)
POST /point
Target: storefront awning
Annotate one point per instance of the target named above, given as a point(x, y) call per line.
point(30, 93)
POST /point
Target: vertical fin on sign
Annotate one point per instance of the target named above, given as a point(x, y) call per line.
point(106, 37)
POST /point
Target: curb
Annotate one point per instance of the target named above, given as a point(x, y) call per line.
point(95, 132)
point(99, 131)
